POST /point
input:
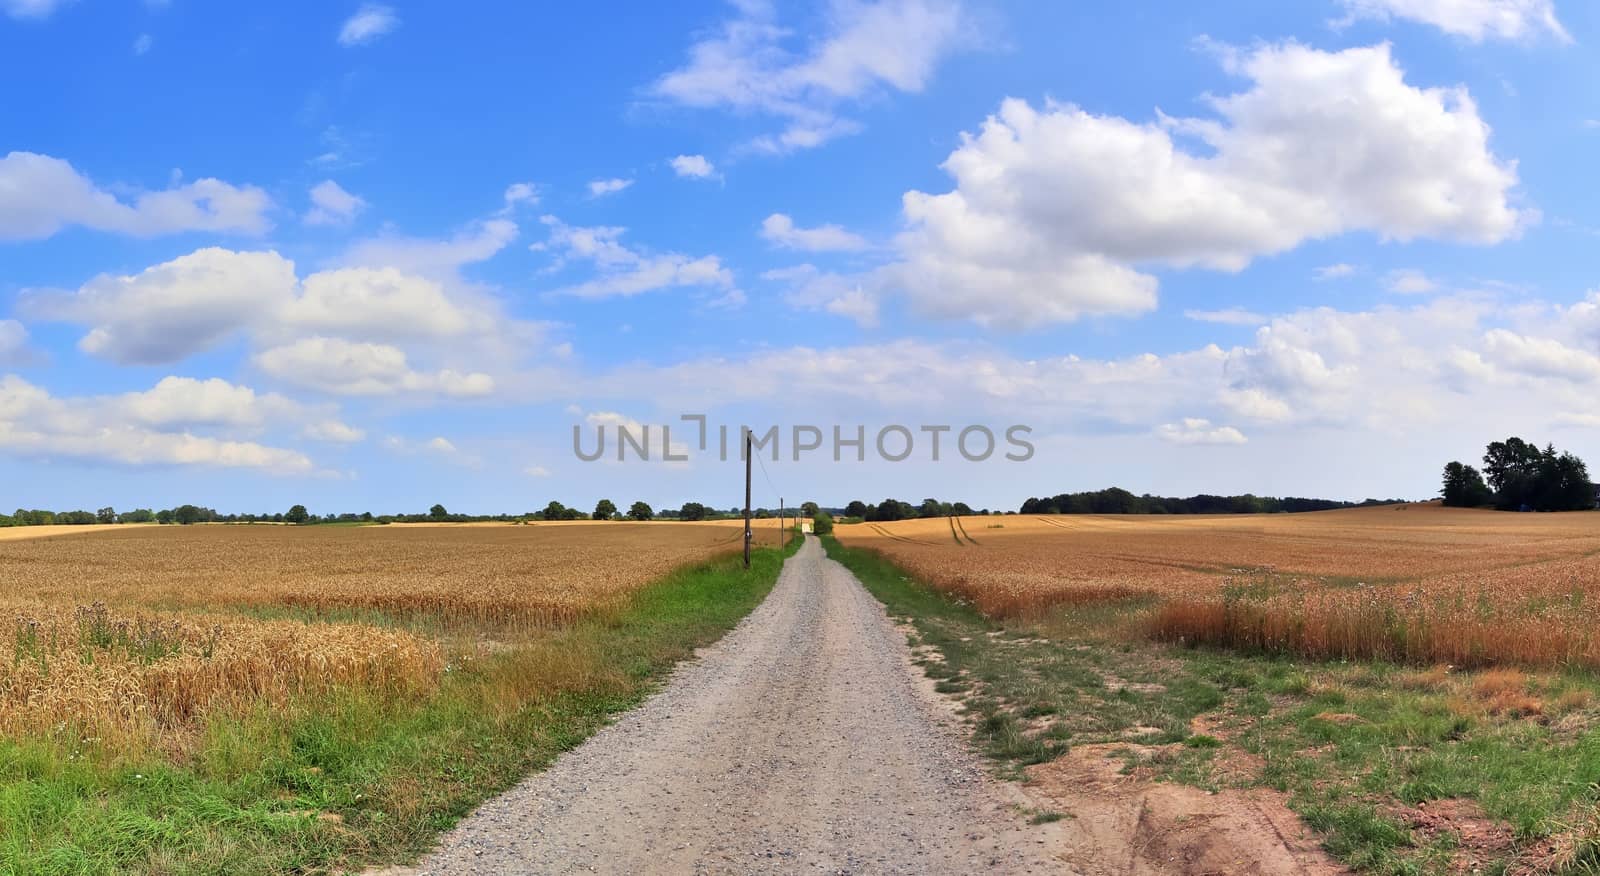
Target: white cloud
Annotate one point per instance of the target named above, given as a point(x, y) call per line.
point(599, 188)
point(519, 194)
point(1475, 20)
point(1231, 316)
point(371, 21)
point(454, 331)
point(781, 230)
point(187, 401)
point(1541, 357)
point(333, 431)
point(536, 471)
point(13, 342)
point(440, 445)
point(40, 195)
point(431, 257)
point(31, 8)
point(174, 309)
point(1409, 281)
point(1334, 272)
point(814, 289)
point(1194, 430)
point(142, 45)
point(625, 272)
point(340, 367)
point(332, 205)
point(693, 167)
point(35, 424)
point(868, 47)
point(1056, 210)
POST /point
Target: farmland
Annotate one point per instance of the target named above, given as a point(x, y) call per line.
point(1412, 583)
point(1418, 683)
point(307, 695)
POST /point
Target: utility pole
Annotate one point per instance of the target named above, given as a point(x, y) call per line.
point(783, 534)
point(747, 533)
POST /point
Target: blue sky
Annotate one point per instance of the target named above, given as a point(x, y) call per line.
point(373, 256)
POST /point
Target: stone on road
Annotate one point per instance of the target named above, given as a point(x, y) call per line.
point(803, 742)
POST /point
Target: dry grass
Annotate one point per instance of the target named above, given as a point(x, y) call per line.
point(141, 630)
point(1416, 583)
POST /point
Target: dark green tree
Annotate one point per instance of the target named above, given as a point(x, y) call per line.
point(604, 509)
point(641, 511)
point(1464, 487)
point(297, 514)
point(555, 511)
point(856, 508)
point(693, 511)
point(437, 512)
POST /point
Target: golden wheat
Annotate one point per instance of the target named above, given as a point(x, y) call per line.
point(146, 628)
point(1416, 583)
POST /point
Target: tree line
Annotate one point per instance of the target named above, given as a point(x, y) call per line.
point(1519, 476)
point(1119, 501)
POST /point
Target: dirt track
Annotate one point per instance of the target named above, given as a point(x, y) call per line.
point(802, 742)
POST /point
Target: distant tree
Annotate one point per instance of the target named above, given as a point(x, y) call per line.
point(962, 509)
point(106, 515)
point(641, 511)
point(809, 509)
point(604, 509)
point(1464, 487)
point(1523, 476)
point(188, 514)
point(693, 511)
point(930, 508)
point(572, 514)
point(164, 516)
point(822, 523)
point(437, 512)
point(856, 508)
point(75, 518)
point(297, 514)
point(137, 515)
point(555, 511)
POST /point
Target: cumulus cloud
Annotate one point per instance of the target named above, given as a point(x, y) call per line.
point(693, 167)
point(624, 272)
point(332, 205)
point(371, 21)
point(373, 320)
point(1194, 430)
point(1476, 20)
point(333, 431)
point(121, 430)
point(1334, 272)
point(749, 65)
point(341, 367)
point(40, 195)
point(780, 230)
point(1056, 210)
point(599, 188)
point(13, 342)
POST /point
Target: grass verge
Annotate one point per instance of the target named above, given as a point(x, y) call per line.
point(1400, 770)
point(356, 778)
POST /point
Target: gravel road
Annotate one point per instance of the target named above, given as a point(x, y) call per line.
point(803, 742)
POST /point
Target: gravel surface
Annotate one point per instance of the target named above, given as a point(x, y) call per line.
point(803, 742)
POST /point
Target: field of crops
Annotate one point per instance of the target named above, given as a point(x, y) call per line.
point(1415, 583)
point(145, 628)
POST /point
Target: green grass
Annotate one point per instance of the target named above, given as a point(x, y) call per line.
point(1352, 745)
point(357, 779)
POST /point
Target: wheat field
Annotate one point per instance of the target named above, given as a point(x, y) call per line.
point(1414, 583)
point(143, 629)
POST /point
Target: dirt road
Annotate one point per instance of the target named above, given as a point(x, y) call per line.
point(803, 742)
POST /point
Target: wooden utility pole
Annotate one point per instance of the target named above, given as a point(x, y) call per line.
point(783, 534)
point(747, 533)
